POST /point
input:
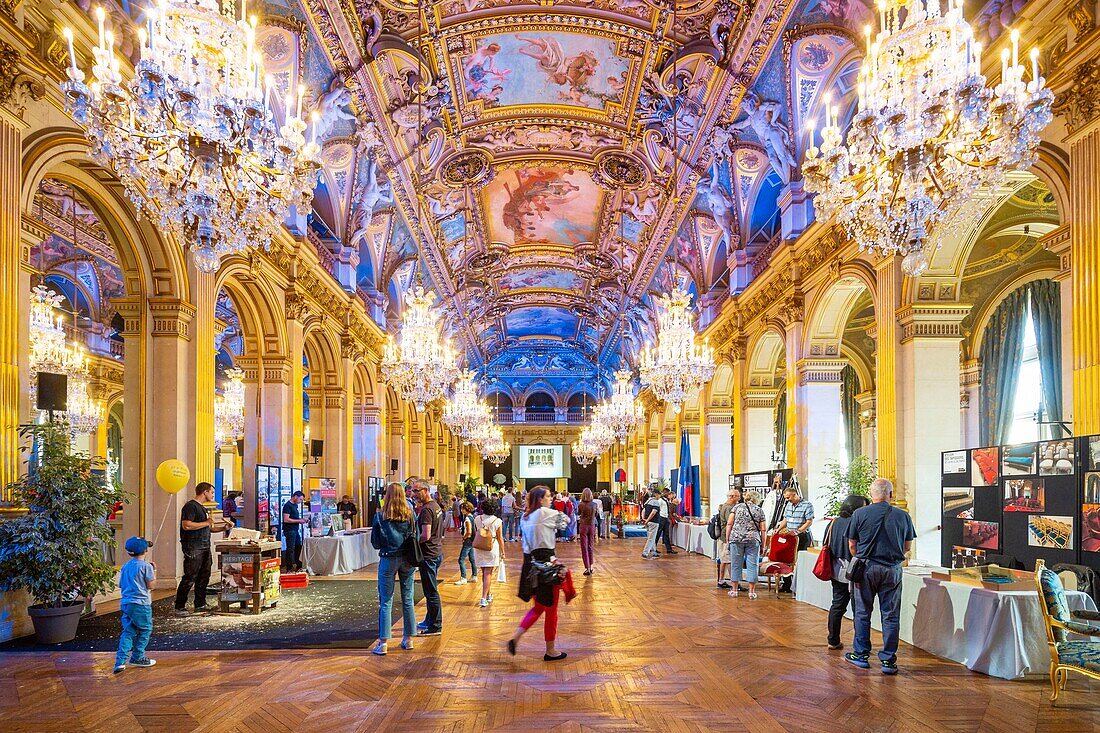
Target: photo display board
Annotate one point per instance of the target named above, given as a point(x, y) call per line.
point(1027, 501)
point(274, 487)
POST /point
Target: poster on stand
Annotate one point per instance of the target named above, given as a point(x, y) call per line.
point(955, 462)
point(1050, 531)
point(237, 578)
point(1018, 460)
point(269, 579)
point(985, 466)
point(1056, 458)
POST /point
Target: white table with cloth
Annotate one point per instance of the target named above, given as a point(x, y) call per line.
point(998, 633)
point(339, 554)
point(693, 538)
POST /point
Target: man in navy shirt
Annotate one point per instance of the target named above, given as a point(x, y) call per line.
point(882, 535)
point(292, 532)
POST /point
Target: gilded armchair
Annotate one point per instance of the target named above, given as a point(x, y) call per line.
point(1066, 654)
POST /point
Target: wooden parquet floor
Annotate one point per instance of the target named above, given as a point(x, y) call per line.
point(652, 646)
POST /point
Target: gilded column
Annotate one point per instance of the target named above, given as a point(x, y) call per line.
point(13, 311)
point(792, 313)
point(887, 302)
point(134, 335)
point(202, 353)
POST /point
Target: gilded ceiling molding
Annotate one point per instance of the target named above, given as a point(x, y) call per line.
point(1079, 102)
point(17, 88)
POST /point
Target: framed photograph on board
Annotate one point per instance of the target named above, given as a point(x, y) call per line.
point(985, 466)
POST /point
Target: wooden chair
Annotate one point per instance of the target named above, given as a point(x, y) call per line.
point(1065, 654)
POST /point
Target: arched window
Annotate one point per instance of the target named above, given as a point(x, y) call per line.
point(1021, 355)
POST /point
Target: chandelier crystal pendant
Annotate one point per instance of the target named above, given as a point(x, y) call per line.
point(421, 366)
point(678, 367)
point(192, 135)
point(927, 133)
point(585, 449)
point(621, 413)
point(229, 410)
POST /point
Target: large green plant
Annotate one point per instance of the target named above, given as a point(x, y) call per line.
point(856, 478)
point(51, 551)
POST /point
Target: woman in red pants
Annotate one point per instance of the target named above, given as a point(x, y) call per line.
point(540, 524)
point(586, 528)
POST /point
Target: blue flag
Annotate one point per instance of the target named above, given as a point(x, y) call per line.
point(686, 489)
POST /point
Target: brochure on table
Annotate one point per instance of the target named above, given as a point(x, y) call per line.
point(1029, 501)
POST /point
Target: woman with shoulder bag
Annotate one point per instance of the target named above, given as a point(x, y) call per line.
point(540, 525)
point(836, 538)
point(488, 547)
point(745, 534)
point(391, 534)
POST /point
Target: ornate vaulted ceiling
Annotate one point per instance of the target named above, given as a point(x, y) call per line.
point(519, 157)
point(529, 148)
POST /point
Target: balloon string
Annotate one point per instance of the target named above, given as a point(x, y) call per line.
point(160, 527)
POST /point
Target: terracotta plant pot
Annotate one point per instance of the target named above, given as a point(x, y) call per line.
point(55, 625)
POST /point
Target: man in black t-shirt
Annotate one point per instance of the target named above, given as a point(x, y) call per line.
point(347, 510)
point(430, 522)
point(292, 532)
point(195, 526)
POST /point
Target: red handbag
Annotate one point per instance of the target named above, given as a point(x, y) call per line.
point(823, 568)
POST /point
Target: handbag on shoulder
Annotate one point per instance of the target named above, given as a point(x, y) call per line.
point(823, 568)
point(413, 554)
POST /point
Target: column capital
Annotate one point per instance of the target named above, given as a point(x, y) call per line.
point(171, 317)
point(720, 417)
point(867, 409)
point(820, 371)
point(1075, 102)
point(932, 321)
point(756, 397)
point(277, 370)
point(130, 311)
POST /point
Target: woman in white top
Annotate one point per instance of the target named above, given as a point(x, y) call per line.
point(488, 560)
point(540, 525)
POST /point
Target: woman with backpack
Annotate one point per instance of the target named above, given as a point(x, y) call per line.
point(745, 534)
point(540, 524)
point(393, 534)
point(488, 547)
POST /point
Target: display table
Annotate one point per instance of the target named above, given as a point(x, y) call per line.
point(249, 574)
point(693, 538)
point(339, 554)
point(998, 633)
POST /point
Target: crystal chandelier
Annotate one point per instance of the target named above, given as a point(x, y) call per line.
point(192, 135)
point(50, 352)
point(229, 410)
point(621, 413)
point(585, 450)
point(464, 411)
point(678, 367)
point(927, 133)
point(497, 449)
point(421, 368)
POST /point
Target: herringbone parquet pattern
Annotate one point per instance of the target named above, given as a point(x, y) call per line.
point(652, 646)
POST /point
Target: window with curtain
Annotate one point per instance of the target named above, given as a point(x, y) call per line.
point(781, 422)
point(850, 443)
point(1021, 359)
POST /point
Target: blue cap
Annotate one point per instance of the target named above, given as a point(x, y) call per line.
point(137, 545)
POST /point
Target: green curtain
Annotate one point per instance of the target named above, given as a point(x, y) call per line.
point(781, 423)
point(1046, 316)
point(1002, 351)
point(849, 411)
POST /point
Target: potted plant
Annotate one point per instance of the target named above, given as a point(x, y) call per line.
point(53, 551)
point(856, 478)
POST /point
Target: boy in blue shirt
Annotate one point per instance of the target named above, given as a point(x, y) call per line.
point(135, 580)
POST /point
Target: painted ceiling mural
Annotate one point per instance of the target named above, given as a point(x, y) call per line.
point(526, 158)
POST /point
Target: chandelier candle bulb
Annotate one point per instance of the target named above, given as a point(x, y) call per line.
point(100, 16)
point(73, 70)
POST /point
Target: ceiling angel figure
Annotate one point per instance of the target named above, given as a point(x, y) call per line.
point(720, 204)
point(643, 208)
point(763, 118)
point(330, 108)
point(373, 193)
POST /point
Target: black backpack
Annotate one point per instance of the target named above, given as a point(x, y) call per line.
point(714, 528)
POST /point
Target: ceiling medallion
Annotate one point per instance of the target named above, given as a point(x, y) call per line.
point(615, 170)
point(466, 169)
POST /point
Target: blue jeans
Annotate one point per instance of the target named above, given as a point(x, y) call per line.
point(429, 581)
point(509, 526)
point(883, 581)
point(744, 555)
point(467, 553)
point(137, 627)
point(388, 567)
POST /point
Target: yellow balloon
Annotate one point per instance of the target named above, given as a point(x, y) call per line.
point(173, 475)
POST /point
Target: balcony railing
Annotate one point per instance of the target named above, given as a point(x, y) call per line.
point(507, 416)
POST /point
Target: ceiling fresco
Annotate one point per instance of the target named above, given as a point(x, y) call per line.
point(554, 167)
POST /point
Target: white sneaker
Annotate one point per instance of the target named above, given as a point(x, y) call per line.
point(483, 603)
point(490, 598)
point(460, 582)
